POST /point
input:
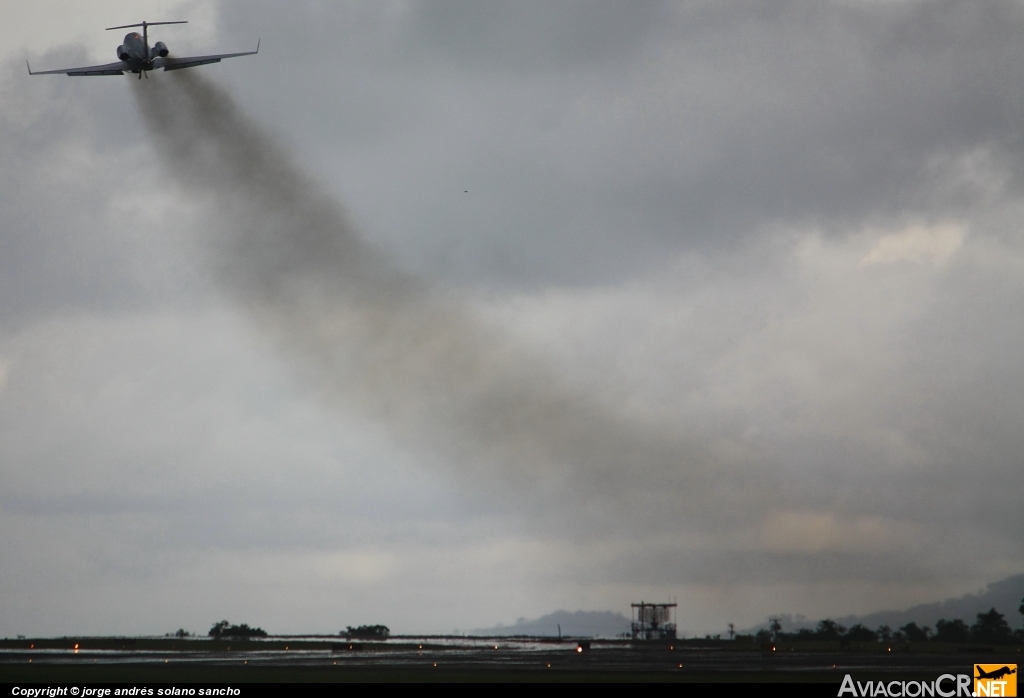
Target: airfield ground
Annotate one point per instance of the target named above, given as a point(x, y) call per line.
point(325, 659)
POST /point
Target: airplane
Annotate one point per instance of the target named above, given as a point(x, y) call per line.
point(137, 57)
point(995, 674)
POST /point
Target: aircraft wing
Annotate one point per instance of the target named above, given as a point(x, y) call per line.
point(108, 69)
point(175, 63)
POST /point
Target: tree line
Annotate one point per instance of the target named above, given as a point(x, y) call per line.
point(224, 629)
point(367, 632)
point(990, 628)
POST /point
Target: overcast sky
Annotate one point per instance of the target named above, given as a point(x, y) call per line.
point(747, 278)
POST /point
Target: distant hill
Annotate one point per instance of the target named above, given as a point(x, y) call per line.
point(577, 624)
point(1004, 596)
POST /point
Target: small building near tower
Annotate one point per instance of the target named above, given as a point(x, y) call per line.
point(654, 621)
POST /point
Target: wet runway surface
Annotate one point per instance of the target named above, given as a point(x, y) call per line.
point(320, 657)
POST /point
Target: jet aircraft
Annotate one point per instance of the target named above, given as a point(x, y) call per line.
point(136, 56)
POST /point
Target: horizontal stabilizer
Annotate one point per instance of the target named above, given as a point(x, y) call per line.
point(145, 24)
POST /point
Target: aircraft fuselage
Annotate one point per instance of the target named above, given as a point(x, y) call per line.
point(136, 54)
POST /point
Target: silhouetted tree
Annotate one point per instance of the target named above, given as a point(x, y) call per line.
point(859, 633)
point(368, 632)
point(992, 627)
point(225, 629)
point(884, 633)
point(952, 631)
point(914, 633)
point(1018, 635)
point(828, 629)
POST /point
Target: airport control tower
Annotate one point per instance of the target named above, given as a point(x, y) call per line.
point(653, 621)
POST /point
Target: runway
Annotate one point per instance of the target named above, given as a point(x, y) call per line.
point(319, 659)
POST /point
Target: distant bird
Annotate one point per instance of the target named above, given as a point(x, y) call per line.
point(466, 192)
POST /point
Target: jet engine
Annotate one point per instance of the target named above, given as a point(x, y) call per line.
point(159, 49)
point(122, 53)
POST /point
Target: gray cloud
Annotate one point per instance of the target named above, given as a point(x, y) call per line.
point(713, 120)
point(530, 37)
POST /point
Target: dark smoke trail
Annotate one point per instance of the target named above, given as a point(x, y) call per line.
point(372, 336)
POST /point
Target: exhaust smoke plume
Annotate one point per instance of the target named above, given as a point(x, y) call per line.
point(371, 336)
